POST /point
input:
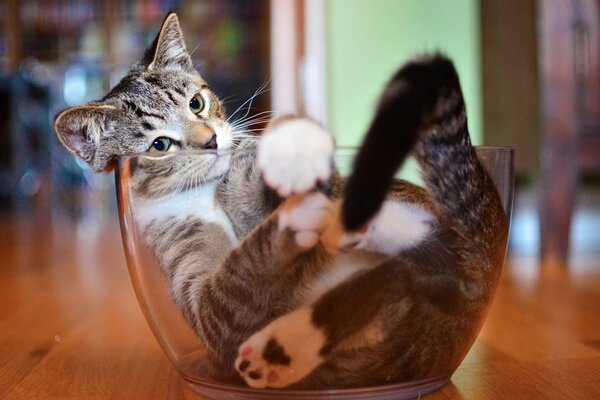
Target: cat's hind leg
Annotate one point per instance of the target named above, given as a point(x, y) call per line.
point(291, 348)
point(283, 352)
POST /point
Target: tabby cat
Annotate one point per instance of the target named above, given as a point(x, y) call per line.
point(249, 241)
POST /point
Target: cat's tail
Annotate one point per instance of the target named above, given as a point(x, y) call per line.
point(422, 111)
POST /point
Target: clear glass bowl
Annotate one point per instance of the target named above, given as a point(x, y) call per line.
point(187, 352)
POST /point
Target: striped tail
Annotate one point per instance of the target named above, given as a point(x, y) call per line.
point(422, 111)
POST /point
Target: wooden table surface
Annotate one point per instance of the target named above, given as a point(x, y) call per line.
point(70, 326)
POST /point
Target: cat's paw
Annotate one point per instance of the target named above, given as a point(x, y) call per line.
point(306, 215)
point(294, 155)
point(283, 352)
point(396, 227)
point(336, 239)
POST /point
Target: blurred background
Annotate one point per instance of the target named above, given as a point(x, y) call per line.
point(530, 73)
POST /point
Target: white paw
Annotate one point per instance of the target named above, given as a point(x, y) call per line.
point(307, 216)
point(283, 352)
point(294, 155)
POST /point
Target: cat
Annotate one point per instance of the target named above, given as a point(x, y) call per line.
point(291, 277)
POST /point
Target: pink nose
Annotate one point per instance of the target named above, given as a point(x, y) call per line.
point(211, 143)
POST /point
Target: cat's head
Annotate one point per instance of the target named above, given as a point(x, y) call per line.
point(161, 105)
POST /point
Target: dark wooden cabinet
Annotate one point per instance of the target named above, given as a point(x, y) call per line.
point(541, 95)
point(569, 73)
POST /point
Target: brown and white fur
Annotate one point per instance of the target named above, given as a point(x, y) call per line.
point(249, 241)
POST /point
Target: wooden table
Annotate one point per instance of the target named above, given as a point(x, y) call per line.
point(70, 326)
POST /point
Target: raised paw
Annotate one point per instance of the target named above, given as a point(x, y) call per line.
point(282, 353)
point(294, 155)
point(307, 216)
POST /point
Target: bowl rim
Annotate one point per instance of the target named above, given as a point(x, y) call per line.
point(169, 154)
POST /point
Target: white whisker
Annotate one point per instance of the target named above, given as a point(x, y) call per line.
point(251, 133)
point(264, 115)
point(246, 135)
point(255, 115)
point(262, 89)
point(251, 130)
point(251, 123)
point(195, 48)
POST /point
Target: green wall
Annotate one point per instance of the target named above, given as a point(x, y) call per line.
point(367, 40)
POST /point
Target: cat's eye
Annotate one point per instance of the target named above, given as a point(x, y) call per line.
point(196, 104)
point(160, 144)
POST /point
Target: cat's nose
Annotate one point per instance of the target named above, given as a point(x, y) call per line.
point(202, 137)
point(211, 143)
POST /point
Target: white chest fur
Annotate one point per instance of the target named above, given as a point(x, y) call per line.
point(199, 202)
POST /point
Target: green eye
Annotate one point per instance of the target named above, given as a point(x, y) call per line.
point(161, 144)
point(197, 104)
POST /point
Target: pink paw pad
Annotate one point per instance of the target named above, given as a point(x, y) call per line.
point(247, 351)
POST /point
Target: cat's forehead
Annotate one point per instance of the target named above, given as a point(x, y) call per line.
point(145, 84)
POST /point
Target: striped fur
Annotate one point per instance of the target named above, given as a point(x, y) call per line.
point(385, 312)
point(414, 315)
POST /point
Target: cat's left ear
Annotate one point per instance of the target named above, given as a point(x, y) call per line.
point(168, 50)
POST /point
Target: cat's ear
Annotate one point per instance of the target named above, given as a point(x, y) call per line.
point(168, 50)
point(81, 130)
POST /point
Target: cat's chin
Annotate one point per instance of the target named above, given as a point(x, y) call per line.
point(220, 165)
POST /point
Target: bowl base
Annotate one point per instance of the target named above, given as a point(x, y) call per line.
point(207, 380)
point(403, 391)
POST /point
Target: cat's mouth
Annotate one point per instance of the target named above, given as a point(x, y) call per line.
point(220, 164)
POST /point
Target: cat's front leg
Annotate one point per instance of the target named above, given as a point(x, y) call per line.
point(236, 300)
point(295, 154)
point(307, 216)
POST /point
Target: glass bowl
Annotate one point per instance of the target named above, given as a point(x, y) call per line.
point(184, 348)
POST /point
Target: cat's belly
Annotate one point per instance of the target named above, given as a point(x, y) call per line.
point(199, 203)
point(343, 266)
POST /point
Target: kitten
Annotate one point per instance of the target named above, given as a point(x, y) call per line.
point(250, 250)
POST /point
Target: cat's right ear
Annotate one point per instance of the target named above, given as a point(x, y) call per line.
point(80, 129)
